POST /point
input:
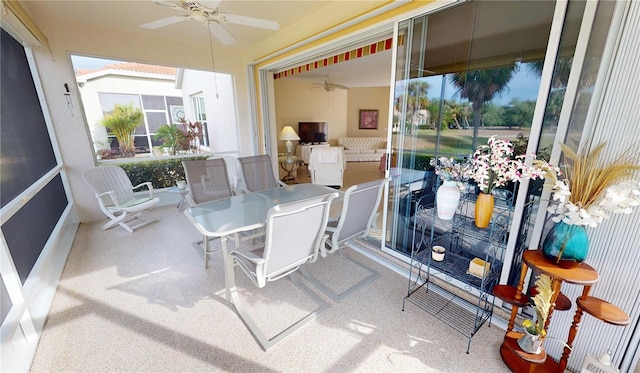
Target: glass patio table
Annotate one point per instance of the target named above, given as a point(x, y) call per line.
point(244, 212)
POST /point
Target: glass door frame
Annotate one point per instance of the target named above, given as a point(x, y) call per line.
point(553, 45)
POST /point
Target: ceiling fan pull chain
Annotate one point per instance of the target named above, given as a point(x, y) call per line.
point(213, 62)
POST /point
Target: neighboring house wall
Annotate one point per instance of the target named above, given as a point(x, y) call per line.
point(120, 82)
point(220, 102)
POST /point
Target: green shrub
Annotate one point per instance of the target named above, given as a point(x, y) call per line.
point(420, 161)
point(161, 173)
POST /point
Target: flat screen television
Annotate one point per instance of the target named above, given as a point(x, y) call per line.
point(313, 132)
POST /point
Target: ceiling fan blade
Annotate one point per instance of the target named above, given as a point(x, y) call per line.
point(221, 34)
point(170, 4)
point(250, 21)
point(164, 22)
point(211, 4)
point(340, 86)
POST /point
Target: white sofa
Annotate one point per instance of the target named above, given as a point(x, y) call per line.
point(363, 149)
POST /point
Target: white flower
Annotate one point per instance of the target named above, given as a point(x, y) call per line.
point(493, 165)
point(617, 199)
point(450, 169)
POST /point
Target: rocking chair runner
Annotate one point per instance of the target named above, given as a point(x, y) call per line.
point(116, 197)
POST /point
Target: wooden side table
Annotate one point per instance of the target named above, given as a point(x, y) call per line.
point(291, 168)
point(583, 275)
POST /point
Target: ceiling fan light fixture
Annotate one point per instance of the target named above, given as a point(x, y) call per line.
point(210, 17)
point(200, 16)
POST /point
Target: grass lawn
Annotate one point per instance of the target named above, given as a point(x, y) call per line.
point(455, 142)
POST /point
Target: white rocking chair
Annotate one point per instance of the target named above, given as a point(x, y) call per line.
point(116, 197)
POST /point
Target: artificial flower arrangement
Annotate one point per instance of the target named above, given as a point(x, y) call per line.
point(586, 191)
point(494, 165)
point(449, 169)
point(531, 341)
point(542, 303)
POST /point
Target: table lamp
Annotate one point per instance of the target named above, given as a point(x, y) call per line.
point(288, 134)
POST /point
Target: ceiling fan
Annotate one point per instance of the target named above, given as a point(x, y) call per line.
point(210, 17)
point(329, 86)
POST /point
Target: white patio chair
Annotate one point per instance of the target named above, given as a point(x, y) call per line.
point(294, 234)
point(234, 172)
point(117, 198)
point(258, 173)
point(206, 181)
point(359, 210)
point(327, 165)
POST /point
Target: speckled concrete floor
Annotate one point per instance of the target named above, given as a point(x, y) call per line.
point(144, 302)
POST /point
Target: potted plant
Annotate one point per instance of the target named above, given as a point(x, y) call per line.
point(181, 136)
point(122, 122)
point(171, 136)
point(192, 135)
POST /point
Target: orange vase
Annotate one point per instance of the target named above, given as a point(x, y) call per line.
point(484, 210)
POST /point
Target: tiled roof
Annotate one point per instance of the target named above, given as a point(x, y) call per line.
point(132, 66)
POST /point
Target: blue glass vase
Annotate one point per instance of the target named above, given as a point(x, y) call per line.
point(566, 245)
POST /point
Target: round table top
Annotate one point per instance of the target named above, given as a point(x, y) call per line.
point(603, 310)
point(582, 274)
point(177, 190)
point(509, 294)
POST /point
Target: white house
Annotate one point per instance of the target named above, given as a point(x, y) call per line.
point(164, 94)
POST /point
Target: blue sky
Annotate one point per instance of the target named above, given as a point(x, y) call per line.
point(80, 62)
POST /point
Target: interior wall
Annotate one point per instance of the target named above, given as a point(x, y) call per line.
point(298, 100)
point(369, 98)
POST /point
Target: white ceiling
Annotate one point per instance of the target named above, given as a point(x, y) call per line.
point(126, 16)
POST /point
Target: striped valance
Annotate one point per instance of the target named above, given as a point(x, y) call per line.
point(366, 50)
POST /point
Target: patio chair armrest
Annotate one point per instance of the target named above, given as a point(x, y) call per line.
point(111, 196)
point(249, 256)
point(374, 221)
point(148, 185)
point(323, 246)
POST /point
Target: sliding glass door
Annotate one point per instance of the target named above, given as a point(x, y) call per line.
point(465, 74)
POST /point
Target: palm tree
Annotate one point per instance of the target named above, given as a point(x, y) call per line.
point(171, 136)
point(414, 101)
point(122, 123)
point(480, 86)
